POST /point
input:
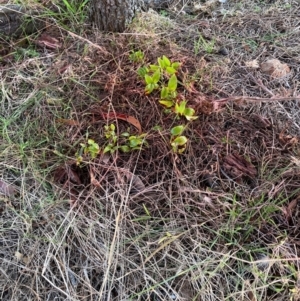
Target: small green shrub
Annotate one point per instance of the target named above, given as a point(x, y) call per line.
point(136, 56)
point(125, 142)
point(178, 142)
point(162, 77)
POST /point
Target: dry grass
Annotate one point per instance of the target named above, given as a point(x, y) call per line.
point(199, 227)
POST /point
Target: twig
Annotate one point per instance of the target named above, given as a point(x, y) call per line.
point(74, 35)
point(260, 83)
point(255, 99)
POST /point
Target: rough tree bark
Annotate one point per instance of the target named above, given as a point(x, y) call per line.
point(16, 20)
point(114, 15)
point(107, 15)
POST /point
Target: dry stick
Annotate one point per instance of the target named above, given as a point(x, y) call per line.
point(255, 99)
point(270, 99)
point(74, 35)
point(260, 83)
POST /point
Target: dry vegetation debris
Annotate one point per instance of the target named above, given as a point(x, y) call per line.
point(219, 222)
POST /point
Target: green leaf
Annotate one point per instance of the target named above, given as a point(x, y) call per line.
point(181, 149)
point(175, 65)
point(156, 77)
point(93, 148)
point(167, 103)
point(142, 71)
point(177, 130)
point(154, 67)
point(107, 149)
point(149, 88)
point(170, 70)
point(70, 8)
point(189, 114)
point(161, 63)
point(178, 148)
point(189, 118)
point(133, 142)
point(181, 140)
point(136, 56)
point(148, 79)
point(112, 127)
point(180, 108)
point(172, 84)
point(125, 148)
point(79, 159)
point(164, 93)
point(174, 147)
point(146, 210)
point(183, 105)
point(93, 154)
point(173, 94)
point(125, 134)
point(166, 61)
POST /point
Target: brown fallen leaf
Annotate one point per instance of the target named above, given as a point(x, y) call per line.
point(237, 166)
point(290, 208)
point(47, 41)
point(67, 173)
point(288, 140)
point(275, 68)
point(67, 121)
point(94, 181)
point(6, 188)
point(261, 121)
point(251, 296)
point(137, 184)
point(129, 119)
point(73, 176)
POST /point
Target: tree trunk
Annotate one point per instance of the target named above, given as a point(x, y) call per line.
point(114, 15)
point(16, 20)
point(107, 15)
